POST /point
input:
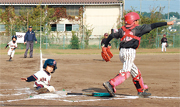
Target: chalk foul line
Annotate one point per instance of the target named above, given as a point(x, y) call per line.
point(62, 97)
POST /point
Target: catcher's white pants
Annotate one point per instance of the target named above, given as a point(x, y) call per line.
point(164, 46)
point(11, 52)
point(127, 57)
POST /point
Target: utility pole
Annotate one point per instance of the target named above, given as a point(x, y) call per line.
point(46, 26)
point(27, 19)
point(140, 6)
point(168, 8)
point(121, 2)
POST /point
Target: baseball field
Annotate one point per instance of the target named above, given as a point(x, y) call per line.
point(84, 71)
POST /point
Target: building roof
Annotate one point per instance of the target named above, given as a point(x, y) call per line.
point(59, 2)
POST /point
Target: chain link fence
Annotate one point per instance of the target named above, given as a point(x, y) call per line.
point(64, 42)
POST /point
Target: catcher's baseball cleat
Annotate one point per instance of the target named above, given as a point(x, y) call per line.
point(109, 88)
point(144, 94)
point(42, 90)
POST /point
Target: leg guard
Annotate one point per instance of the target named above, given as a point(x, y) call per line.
point(139, 84)
point(120, 78)
point(109, 52)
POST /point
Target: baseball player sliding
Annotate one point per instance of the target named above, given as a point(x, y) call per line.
point(12, 46)
point(42, 78)
point(130, 35)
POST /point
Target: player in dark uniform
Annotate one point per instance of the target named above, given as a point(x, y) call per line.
point(104, 40)
point(164, 43)
point(107, 55)
point(130, 36)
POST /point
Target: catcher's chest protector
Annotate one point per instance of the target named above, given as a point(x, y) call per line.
point(128, 35)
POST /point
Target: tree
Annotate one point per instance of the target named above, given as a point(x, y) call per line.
point(74, 41)
point(8, 17)
point(88, 33)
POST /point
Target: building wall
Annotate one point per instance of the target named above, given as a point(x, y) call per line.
point(101, 18)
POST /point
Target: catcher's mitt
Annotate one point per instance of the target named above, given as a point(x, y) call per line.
point(106, 54)
point(167, 45)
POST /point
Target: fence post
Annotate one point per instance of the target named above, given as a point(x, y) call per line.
point(99, 42)
point(63, 42)
point(156, 38)
point(158, 41)
point(173, 40)
point(46, 40)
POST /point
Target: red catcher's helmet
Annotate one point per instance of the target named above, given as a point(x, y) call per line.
point(164, 35)
point(131, 17)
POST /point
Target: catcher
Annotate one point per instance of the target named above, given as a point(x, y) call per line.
point(106, 54)
point(130, 36)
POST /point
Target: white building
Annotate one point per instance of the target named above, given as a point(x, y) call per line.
point(101, 15)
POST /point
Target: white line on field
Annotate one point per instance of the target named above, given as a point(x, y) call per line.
point(59, 97)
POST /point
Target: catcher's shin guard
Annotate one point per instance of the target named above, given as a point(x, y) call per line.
point(139, 84)
point(120, 78)
point(109, 52)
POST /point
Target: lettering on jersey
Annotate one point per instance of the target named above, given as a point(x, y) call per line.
point(127, 38)
point(42, 79)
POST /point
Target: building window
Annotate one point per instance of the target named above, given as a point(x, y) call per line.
point(17, 9)
point(68, 27)
point(2, 28)
point(72, 10)
point(75, 27)
point(65, 27)
point(60, 27)
point(53, 27)
point(3, 8)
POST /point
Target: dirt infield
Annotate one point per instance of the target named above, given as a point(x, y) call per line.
point(85, 72)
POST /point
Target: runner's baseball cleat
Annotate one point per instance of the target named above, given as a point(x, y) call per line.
point(109, 88)
point(10, 59)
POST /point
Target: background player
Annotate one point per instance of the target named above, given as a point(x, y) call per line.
point(12, 46)
point(130, 35)
point(106, 54)
point(29, 39)
point(164, 43)
point(42, 78)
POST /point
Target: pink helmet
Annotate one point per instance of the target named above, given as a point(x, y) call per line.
point(131, 17)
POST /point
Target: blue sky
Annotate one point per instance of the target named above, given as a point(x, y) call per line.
point(147, 5)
